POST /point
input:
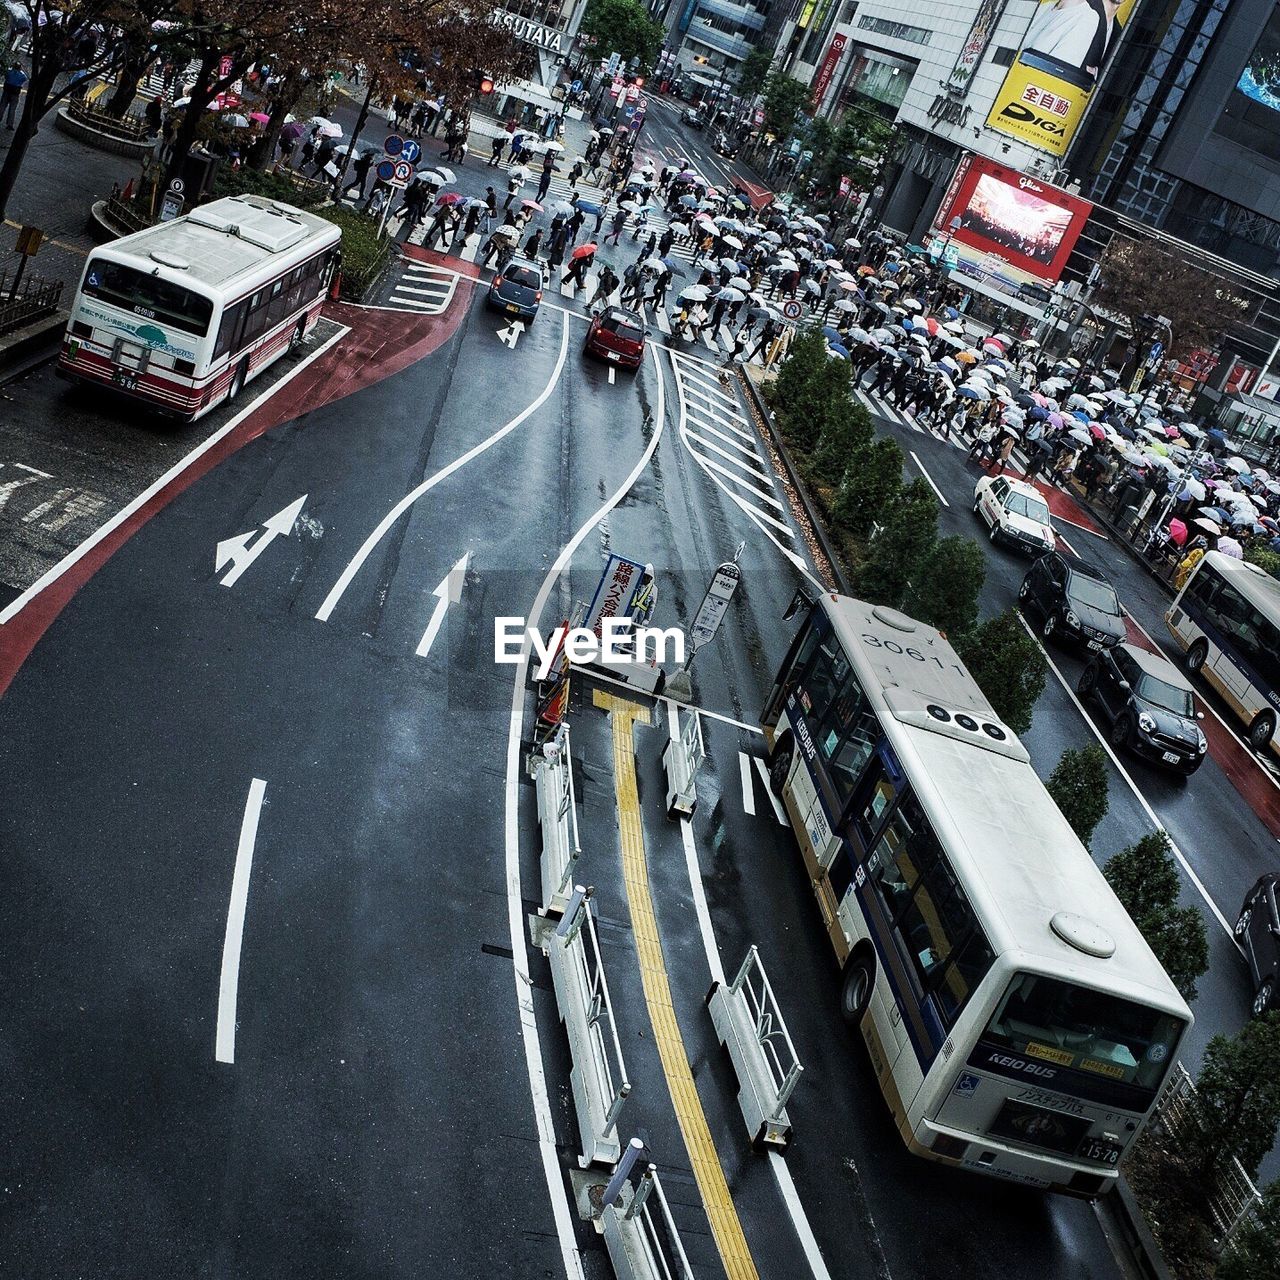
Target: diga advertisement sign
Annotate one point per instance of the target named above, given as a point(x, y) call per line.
point(1045, 93)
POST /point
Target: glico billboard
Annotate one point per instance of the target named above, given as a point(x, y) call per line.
point(1023, 227)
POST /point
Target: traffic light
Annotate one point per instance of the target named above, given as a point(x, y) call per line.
point(639, 82)
point(486, 85)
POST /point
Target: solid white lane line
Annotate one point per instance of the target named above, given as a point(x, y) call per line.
point(387, 521)
point(799, 1219)
point(599, 677)
point(748, 782)
point(778, 811)
point(1133, 786)
point(225, 1041)
point(72, 557)
point(928, 477)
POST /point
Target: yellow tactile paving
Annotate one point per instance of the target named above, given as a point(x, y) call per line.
point(721, 1213)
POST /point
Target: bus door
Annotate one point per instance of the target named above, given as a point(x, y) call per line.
point(1235, 619)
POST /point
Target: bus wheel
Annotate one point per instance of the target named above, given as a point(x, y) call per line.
point(859, 982)
point(237, 382)
point(1196, 656)
point(780, 766)
point(1261, 731)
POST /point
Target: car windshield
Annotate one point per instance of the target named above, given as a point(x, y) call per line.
point(623, 329)
point(525, 276)
point(148, 296)
point(1020, 504)
point(1161, 693)
point(1102, 1036)
point(1094, 594)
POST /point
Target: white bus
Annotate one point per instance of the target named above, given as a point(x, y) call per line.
point(1017, 1021)
point(183, 314)
point(1226, 618)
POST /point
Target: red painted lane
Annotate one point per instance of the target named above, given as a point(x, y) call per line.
point(380, 344)
point(1241, 768)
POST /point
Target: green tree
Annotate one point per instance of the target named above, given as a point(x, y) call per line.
point(898, 549)
point(944, 593)
point(1238, 1097)
point(1253, 1254)
point(1008, 666)
point(1145, 880)
point(1266, 559)
point(783, 99)
point(811, 391)
point(853, 150)
point(846, 428)
point(872, 479)
point(623, 26)
point(754, 71)
point(1079, 788)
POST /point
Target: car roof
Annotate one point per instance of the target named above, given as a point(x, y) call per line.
point(1022, 487)
point(1156, 664)
point(1076, 565)
point(621, 313)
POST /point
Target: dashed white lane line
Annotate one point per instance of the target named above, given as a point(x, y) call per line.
point(387, 521)
point(569, 1252)
point(1133, 786)
point(929, 478)
point(748, 782)
point(229, 986)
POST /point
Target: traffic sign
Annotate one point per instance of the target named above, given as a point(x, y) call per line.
point(633, 92)
point(714, 604)
point(177, 186)
point(615, 61)
point(576, 87)
point(393, 145)
point(617, 87)
point(386, 170)
point(792, 309)
point(402, 172)
point(410, 151)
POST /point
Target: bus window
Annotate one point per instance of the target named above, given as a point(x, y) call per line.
point(231, 318)
point(846, 736)
point(881, 780)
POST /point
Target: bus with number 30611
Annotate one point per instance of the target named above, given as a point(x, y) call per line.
point(1016, 1020)
point(181, 315)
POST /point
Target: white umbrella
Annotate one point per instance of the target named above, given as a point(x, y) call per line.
point(328, 129)
point(913, 304)
point(1209, 526)
point(728, 294)
point(695, 293)
point(1195, 488)
point(733, 242)
point(553, 146)
point(1230, 547)
point(1236, 464)
point(851, 243)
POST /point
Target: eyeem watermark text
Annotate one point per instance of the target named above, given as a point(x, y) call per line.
point(619, 641)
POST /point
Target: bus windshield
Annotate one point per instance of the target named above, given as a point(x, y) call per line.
point(1100, 1035)
point(148, 295)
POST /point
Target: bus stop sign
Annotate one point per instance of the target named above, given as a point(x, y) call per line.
point(715, 604)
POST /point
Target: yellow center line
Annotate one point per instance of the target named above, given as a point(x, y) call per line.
point(714, 1189)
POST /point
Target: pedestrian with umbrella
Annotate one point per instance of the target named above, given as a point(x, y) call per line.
point(579, 263)
point(661, 283)
point(515, 181)
point(574, 225)
point(359, 175)
point(633, 283)
point(575, 175)
point(498, 244)
point(544, 183)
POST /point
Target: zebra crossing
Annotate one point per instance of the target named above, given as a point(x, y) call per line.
point(425, 288)
point(725, 445)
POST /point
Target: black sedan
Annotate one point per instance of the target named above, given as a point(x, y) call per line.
point(1149, 706)
point(692, 118)
point(1258, 933)
point(1073, 600)
point(517, 288)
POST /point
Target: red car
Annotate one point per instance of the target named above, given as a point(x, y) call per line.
point(617, 335)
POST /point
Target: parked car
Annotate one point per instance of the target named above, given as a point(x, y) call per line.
point(1258, 933)
point(517, 288)
point(1073, 600)
point(1148, 704)
point(693, 118)
point(617, 335)
point(1014, 512)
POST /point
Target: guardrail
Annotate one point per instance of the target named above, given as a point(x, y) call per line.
point(26, 301)
point(750, 1025)
point(128, 128)
point(641, 1245)
point(682, 756)
point(599, 1074)
point(551, 768)
point(1235, 1198)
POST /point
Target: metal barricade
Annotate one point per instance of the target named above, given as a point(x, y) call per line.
point(681, 758)
point(750, 1025)
point(642, 1245)
point(1234, 1198)
point(551, 768)
point(599, 1074)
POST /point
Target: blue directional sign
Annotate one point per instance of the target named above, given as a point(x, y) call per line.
point(410, 151)
point(1157, 350)
point(386, 170)
point(394, 144)
point(576, 87)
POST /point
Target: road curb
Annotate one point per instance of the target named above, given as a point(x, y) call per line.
point(34, 344)
point(1128, 1234)
point(797, 485)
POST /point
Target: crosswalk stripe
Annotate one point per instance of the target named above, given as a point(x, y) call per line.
point(437, 291)
point(729, 475)
point(663, 321)
point(709, 389)
point(727, 416)
point(736, 444)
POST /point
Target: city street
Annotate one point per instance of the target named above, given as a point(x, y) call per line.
point(272, 850)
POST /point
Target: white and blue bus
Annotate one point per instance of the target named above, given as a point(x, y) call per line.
point(1017, 1021)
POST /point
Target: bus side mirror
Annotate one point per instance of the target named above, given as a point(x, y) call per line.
point(1125, 686)
point(798, 601)
point(1199, 715)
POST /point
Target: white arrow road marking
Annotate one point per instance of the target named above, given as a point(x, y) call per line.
point(225, 1047)
point(778, 811)
point(448, 592)
point(511, 334)
point(240, 555)
point(612, 375)
point(748, 783)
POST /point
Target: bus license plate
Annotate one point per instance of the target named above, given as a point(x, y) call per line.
point(122, 378)
point(1171, 757)
point(1095, 644)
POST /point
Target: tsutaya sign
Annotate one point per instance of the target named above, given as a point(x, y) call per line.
point(534, 33)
